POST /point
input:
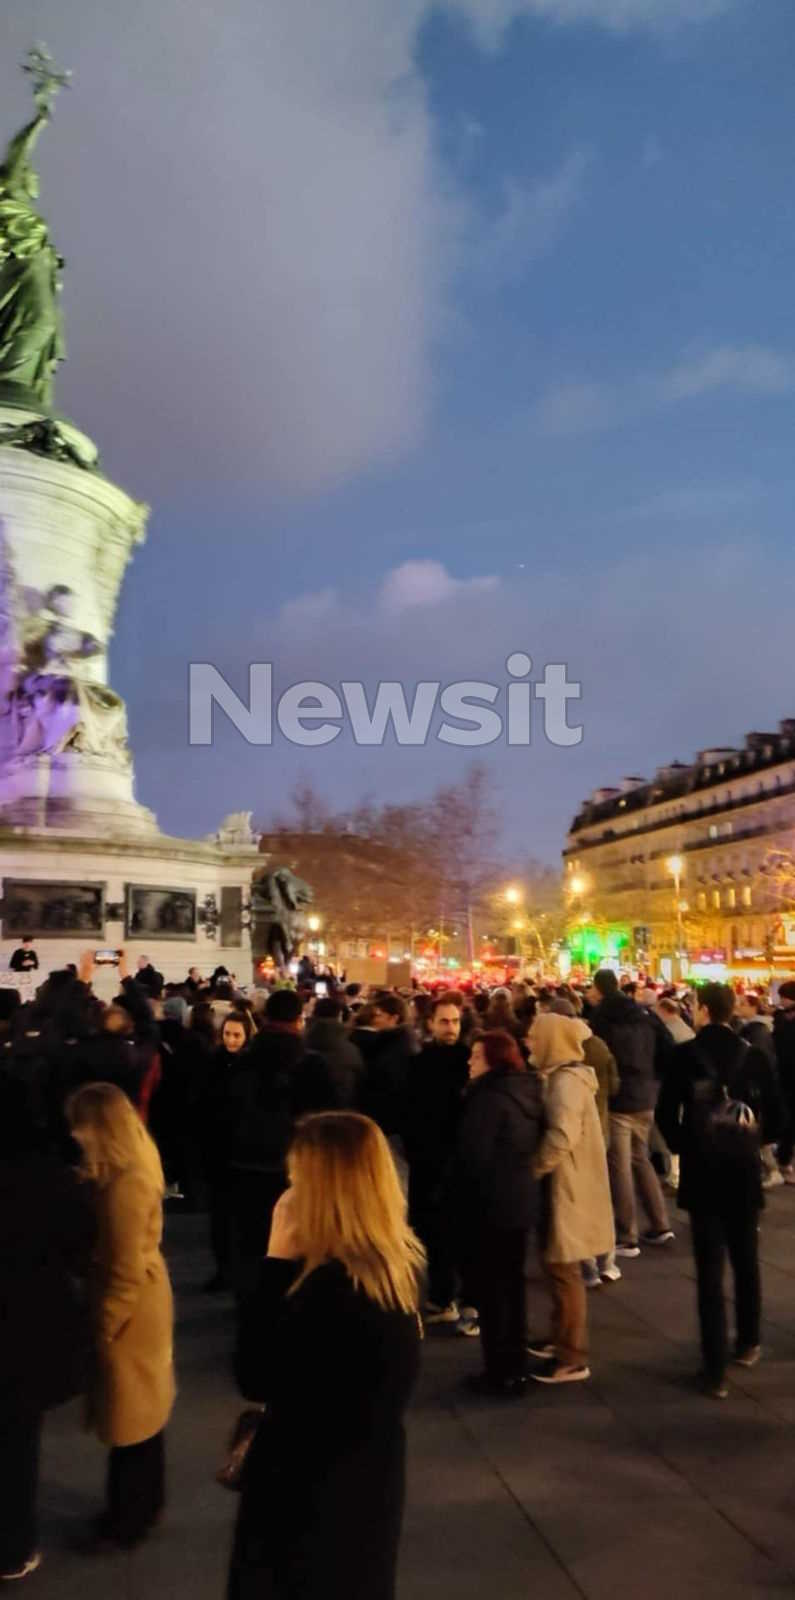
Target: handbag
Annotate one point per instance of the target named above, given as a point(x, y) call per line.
point(230, 1472)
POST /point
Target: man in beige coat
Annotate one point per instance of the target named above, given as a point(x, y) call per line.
point(573, 1160)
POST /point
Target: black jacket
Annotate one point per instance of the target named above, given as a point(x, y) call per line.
point(784, 1041)
point(23, 960)
point(498, 1136)
point(707, 1182)
point(342, 1059)
point(276, 1081)
point(640, 1044)
point(387, 1056)
point(323, 1490)
point(437, 1078)
point(756, 1033)
point(47, 1234)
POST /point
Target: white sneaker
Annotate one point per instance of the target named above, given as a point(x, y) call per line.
point(434, 1314)
point(468, 1324)
point(612, 1274)
point(31, 1565)
point(773, 1179)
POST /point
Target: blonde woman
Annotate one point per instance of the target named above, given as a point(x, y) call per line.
point(133, 1311)
point(330, 1343)
point(572, 1158)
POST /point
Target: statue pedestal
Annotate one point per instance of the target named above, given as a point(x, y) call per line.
point(77, 892)
point(64, 527)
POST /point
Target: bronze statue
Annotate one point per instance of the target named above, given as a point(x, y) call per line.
point(277, 918)
point(31, 336)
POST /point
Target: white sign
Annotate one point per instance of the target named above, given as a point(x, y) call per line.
point(25, 982)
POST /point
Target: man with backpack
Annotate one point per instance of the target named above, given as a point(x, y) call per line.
point(719, 1104)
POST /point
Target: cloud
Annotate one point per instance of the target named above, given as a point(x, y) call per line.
point(585, 406)
point(749, 369)
point(489, 18)
point(260, 241)
point(427, 583)
point(531, 220)
point(577, 407)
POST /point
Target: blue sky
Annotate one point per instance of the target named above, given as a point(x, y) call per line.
point(503, 289)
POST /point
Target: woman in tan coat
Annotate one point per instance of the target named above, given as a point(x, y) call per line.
point(133, 1392)
point(572, 1158)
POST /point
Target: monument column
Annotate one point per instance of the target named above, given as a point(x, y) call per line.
point(66, 535)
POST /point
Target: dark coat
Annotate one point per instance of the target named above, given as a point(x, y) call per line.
point(343, 1060)
point(322, 1503)
point(640, 1045)
point(707, 1182)
point(437, 1078)
point(784, 1042)
point(47, 1234)
point(23, 960)
point(756, 1033)
point(498, 1135)
point(387, 1054)
point(276, 1081)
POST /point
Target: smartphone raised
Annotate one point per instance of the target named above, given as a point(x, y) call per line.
point(106, 958)
point(321, 989)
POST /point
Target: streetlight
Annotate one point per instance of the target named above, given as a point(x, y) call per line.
point(513, 895)
point(577, 887)
point(675, 866)
point(313, 924)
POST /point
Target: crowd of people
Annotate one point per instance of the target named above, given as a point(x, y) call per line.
point(372, 1164)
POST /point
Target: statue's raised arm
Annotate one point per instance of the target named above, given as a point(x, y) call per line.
point(31, 339)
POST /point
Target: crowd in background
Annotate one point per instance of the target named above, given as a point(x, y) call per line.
point(382, 1154)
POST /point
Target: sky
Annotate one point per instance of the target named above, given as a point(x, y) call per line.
point(433, 334)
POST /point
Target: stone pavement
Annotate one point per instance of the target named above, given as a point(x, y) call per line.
point(632, 1485)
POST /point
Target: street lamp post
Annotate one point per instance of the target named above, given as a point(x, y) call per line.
point(675, 865)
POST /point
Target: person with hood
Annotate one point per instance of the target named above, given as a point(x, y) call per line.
point(641, 1046)
point(495, 1194)
point(327, 1035)
point(579, 1217)
point(438, 1077)
point(719, 1104)
point(596, 1054)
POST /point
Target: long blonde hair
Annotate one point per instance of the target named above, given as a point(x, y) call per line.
point(111, 1135)
point(348, 1206)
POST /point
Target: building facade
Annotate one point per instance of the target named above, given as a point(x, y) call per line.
point(693, 869)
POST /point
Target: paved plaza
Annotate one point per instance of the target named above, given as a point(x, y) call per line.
point(632, 1485)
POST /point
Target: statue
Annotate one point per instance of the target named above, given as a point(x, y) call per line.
point(277, 920)
point(54, 706)
point(235, 831)
point(31, 338)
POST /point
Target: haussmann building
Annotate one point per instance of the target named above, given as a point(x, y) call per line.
point(693, 870)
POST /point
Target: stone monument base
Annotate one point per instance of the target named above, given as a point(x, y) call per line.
point(72, 892)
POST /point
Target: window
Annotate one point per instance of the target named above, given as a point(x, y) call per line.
point(713, 830)
point(701, 900)
point(716, 899)
point(731, 898)
point(746, 894)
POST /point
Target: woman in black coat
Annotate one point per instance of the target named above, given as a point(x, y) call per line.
point(330, 1343)
point(495, 1200)
point(47, 1233)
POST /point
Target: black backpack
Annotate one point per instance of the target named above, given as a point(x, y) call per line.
point(727, 1126)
